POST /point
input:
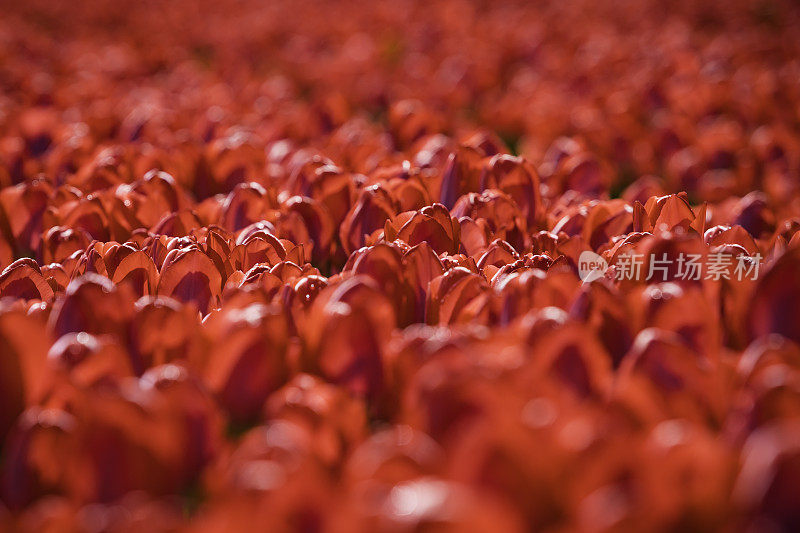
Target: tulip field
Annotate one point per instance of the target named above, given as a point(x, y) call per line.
point(410, 266)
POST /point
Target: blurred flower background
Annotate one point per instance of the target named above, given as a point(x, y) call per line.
point(314, 266)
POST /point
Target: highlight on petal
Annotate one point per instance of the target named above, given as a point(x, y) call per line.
point(188, 275)
point(23, 279)
point(374, 207)
point(92, 304)
point(434, 225)
point(139, 270)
